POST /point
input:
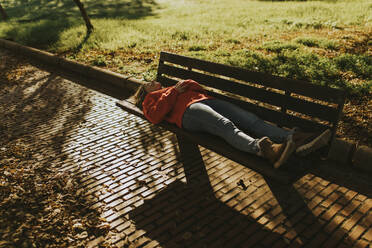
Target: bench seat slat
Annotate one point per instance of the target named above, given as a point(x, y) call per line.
point(312, 109)
point(216, 144)
point(295, 86)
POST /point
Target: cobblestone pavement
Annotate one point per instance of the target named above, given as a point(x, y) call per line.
point(155, 194)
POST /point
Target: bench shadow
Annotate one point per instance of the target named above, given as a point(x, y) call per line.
point(343, 175)
point(191, 218)
point(189, 215)
point(346, 176)
point(296, 211)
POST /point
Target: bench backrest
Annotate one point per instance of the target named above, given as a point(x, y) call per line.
point(285, 102)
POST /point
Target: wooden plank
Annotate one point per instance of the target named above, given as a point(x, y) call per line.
point(281, 119)
point(296, 86)
point(277, 117)
point(261, 94)
point(312, 109)
point(224, 85)
point(219, 146)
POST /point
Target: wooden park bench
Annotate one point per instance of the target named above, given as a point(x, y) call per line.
point(285, 102)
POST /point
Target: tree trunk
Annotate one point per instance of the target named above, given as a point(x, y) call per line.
point(85, 16)
point(3, 14)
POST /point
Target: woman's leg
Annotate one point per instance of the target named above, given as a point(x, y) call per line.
point(248, 121)
point(201, 117)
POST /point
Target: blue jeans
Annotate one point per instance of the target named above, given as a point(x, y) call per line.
point(231, 123)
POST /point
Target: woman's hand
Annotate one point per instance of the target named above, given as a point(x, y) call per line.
point(181, 86)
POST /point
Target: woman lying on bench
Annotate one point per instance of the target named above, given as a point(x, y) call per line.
point(189, 107)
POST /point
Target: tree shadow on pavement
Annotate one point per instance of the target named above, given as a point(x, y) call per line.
point(39, 110)
point(33, 100)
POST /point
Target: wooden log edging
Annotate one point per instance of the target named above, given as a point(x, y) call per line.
point(344, 152)
point(93, 72)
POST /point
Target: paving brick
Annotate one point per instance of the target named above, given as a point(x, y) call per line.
point(136, 236)
point(335, 223)
point(119, 222)
point(330, 199)
point(254, 239)
point(317, 240)
point(349, 209)
point(312, 230)
point(297, 217)
point(318, 211)
point(356, 217)
point(360, 197)
point(365, 207)
point(331, 212)
point(356, 232)
point(348, 224)
point(297, 243)
point(362, 243)
point(310, 194)
point(328, 190)
point(368, 235)
point(334, 239)
point(317, 200)
point(300, 227)
point(152, 244)
point(115, 203)
point(280, 243)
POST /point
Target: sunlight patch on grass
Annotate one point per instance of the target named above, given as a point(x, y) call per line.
point(278, 46)
point(314, 42)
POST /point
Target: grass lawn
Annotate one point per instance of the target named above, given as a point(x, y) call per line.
point(326, 42)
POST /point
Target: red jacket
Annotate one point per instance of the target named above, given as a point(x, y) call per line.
point(168, 104)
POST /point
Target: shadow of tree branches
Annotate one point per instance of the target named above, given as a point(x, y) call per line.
point(39, 23)
point(38, 112)
point(35, 10)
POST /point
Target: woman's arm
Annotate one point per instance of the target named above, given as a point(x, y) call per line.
point(192, 85)
point(158, 104)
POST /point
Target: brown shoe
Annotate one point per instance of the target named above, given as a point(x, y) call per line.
point(277, 154)
point(307, 143)
point(270, 150)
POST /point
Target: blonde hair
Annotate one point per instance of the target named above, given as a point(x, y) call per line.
point(139, 96)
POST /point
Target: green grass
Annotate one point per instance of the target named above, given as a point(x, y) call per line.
point(314, 42)
point(278, 46)
point(319, 41)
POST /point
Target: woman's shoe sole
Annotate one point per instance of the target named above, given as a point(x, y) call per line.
point(315, 144)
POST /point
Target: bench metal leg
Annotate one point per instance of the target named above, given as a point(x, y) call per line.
point(194, 167)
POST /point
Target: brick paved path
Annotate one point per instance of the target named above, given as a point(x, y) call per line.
point(155, 194)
